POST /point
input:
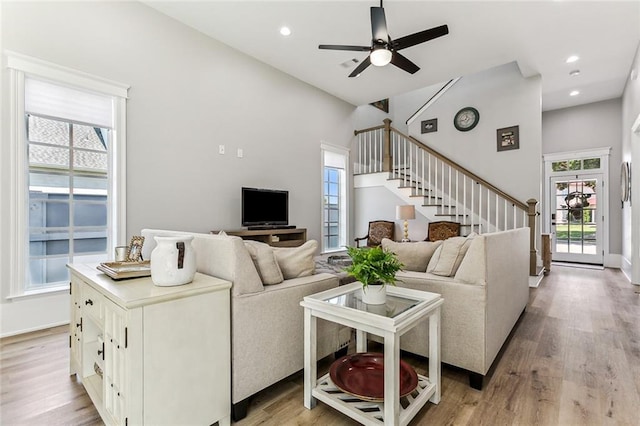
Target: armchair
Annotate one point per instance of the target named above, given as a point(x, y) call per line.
point(442, 230)
point(378, 229)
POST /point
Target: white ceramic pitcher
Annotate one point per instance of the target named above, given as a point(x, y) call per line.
point(173, 261)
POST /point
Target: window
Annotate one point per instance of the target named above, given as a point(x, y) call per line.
point(334, 194)
point(571, 165)
point(67, 196)
point(67, 172)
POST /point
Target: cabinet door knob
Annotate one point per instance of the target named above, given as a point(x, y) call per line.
point(88, 302)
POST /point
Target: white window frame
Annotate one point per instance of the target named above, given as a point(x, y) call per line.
point(344, 211)
point(20, 66)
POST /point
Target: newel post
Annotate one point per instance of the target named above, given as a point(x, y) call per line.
point(532, 203)
point(386, 155)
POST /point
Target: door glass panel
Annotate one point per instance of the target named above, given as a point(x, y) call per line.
point(576, 221)
point(591, 163)
point(575, 164)
point(559, 166)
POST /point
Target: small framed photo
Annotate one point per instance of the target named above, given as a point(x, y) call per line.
point(508, 138)
point(428, 126)
point(134, 253)
point(382, 105)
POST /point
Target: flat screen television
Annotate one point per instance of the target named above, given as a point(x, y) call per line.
point(264, 208)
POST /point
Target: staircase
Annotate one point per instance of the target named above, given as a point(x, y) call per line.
point(439, 188)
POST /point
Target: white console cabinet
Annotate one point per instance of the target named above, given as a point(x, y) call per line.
point(152, 355)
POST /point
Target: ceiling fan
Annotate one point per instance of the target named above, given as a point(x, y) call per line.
point(383, 49)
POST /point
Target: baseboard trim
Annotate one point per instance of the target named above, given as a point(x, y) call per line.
point(30, 330)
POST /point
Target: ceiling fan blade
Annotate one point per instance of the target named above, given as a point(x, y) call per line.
point(402, 62)
point(363, 65)
point(421, 37)
point(341, 47)
point(379, 25)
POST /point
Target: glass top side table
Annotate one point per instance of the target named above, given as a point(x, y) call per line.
point(404, 310)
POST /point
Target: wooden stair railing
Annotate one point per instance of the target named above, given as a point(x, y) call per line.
point(456, 191)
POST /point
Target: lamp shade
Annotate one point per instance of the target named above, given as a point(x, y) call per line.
point(380, 56)
point(405, 212)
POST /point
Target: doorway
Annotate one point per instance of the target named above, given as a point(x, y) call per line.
point(576, 211)
point(575, 226)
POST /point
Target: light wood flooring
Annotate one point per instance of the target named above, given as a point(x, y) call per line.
point(573, 359)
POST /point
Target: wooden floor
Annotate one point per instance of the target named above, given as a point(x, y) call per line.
point(573, 359)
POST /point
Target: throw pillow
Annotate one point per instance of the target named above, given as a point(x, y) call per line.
point(447, 258)
point(297, 262)
point(414, 256)
point(265, 261)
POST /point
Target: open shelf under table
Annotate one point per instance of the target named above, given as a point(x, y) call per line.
point(369, 412)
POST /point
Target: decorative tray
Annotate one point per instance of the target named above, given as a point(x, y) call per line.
point(339, 260)
point(124, 270)
point(362, 375)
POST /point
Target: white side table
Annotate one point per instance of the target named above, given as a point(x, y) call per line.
point(404, 310)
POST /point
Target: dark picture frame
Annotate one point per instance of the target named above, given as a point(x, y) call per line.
point(382, 104)
point(429, 126)
point(508, 138)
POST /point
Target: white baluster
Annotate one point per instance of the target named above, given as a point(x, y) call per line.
point(464, 198)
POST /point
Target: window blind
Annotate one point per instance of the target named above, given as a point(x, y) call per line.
point(53, 100)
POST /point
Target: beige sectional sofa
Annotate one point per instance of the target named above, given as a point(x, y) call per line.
point(484, 282)
point(267, 326)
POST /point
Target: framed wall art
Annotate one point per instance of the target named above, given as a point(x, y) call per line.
point(382, 105)
point(508, 138)
point(429, 126)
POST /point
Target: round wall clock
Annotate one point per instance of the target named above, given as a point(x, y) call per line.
point(466, 119)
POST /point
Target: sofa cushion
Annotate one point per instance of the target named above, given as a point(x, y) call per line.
point(297, 262)
point(472, 268)
point(447, 258)
point(414, 256)
point(265, 260)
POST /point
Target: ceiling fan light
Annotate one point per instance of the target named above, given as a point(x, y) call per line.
point(380, 57)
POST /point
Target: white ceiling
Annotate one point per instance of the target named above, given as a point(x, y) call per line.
point(538, 35)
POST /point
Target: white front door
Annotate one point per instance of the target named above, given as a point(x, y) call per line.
point(576, 220)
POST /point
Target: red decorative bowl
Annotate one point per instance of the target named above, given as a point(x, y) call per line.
point(362, 375)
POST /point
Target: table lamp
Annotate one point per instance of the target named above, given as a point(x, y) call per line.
point(405, 213)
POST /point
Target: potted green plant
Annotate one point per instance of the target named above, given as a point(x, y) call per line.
point(374, 267)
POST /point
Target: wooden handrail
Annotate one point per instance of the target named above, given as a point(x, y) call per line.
point(370, 129)
point(453, 164)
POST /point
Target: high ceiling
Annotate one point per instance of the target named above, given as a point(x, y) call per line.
point(538, 35)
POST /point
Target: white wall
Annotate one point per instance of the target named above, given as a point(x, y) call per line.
point(188, 95)
point(590, 126)
point(401, 108)
point(631, 153)
point(378, 203)
point(503, 98)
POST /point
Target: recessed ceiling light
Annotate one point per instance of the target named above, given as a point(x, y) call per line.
point(574, 93)
point(285, 31)
point(574, 73)
point(572, 59)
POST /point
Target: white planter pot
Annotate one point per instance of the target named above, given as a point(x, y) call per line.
point(173, 261)
point(374, 294)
